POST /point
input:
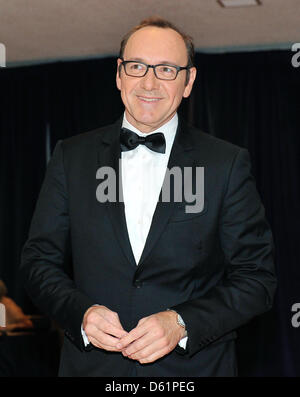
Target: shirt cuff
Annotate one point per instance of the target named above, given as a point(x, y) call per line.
point(84, 337)
point(182, 343)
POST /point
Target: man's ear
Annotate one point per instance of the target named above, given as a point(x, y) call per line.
point(118, 75)
point(189, 86)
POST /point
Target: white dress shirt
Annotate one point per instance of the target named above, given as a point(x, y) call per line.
point(143, 172)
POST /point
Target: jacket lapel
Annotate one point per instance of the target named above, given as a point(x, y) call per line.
point(108, 155)
point(181, 156)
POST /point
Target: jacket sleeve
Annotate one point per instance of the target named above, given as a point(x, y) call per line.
point(249, 283)
point(47, 251)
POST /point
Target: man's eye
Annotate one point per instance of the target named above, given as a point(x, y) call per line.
point(136, 66)
point(166, 69)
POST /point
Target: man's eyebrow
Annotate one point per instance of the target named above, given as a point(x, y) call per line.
point(144, 61)
point(136, 59)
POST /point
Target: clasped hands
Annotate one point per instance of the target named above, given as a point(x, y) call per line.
point(152, 338)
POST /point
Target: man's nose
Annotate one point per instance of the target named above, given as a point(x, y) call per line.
point(149, 81)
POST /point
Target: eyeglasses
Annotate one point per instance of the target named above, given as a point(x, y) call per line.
point(161, 71)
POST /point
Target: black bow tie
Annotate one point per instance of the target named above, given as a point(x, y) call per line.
point(130, 140)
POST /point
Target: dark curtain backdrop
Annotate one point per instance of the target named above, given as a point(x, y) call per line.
point(250, 99)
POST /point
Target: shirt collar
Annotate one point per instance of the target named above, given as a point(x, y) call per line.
point(168, 129)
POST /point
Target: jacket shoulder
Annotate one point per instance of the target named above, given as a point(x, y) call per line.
point(202, 138)
point(86, 138)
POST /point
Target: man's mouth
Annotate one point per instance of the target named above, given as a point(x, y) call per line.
point(148, 99)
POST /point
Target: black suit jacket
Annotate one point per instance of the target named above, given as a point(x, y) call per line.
point(214, 267)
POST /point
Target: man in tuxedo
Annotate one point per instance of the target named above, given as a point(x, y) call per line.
point(141, 286)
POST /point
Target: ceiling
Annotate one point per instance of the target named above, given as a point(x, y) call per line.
point(35, 31)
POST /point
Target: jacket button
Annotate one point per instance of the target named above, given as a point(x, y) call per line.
point(138, 283)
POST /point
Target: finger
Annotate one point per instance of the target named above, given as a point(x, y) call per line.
point(107, 327)
point(100, 339)
point(148, 350)
point(131, 336)
point(105, 332)
point(139, 344)
point(154, 356)
point(103, 346)
point(101, 314)
point(111, 329)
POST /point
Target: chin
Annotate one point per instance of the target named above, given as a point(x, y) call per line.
point(147, 121)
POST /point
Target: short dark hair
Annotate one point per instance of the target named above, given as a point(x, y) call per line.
point(164, 24)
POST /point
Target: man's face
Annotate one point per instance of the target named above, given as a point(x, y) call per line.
point(150, 102)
